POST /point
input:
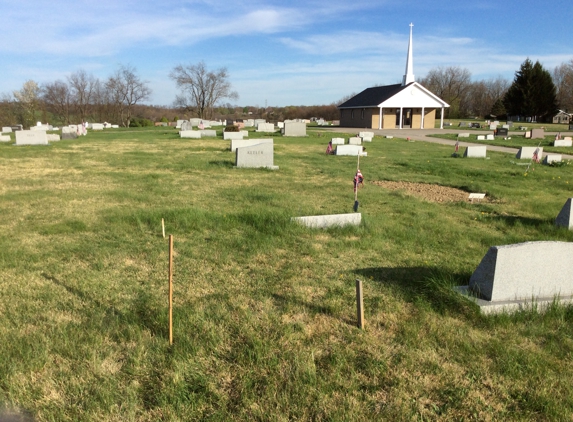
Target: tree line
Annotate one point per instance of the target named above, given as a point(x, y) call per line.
point(79, 98)
point(534, 93)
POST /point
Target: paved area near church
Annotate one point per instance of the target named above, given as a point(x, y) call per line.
point(422, 135)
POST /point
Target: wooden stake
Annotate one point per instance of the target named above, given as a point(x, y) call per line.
point(163, 227)
point(359, 304)
point(170, 289)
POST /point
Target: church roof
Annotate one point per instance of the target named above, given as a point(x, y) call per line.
point(372, 97)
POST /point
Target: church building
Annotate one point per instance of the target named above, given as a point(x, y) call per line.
point(405, 105)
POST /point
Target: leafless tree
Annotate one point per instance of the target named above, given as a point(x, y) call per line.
point(82, 86)
point(563, 80)
point(125, 90)
point(452, 84)
point(201, 89)
point(484, 94)
point(58, 98)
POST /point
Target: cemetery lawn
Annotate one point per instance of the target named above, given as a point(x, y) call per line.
point(264, 310)
point(516, 141)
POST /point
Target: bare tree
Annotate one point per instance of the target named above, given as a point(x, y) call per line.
point(452, 84)
point(82, 86)
point(483, 95)
point(58, 98)
point(125, 90)
point(563, 80)
point(201, 88)
point(27, 102)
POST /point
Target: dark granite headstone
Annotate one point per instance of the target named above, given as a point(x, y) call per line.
point(501, 132)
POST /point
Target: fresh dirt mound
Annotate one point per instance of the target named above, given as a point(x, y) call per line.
point(433, 193)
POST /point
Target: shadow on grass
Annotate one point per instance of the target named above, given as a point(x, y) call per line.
point(513, 221)
point(143, 310)
point(222, 163)
point(288, 301)
point(425, 286)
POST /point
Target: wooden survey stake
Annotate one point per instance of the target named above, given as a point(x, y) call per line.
point(359, 304)
point(163, 227)
point(170, 289)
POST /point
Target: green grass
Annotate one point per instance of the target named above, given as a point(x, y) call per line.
point(264, 310)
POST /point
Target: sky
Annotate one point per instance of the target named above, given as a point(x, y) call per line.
point(278, 53)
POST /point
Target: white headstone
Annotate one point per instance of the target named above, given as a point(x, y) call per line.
point(354, 150)
point(332, 220)
point(7, 129)
point(355, 141)
point(294, 129)
point(97, 126)
point(31, 137)
point(232, 135)
point(5, 138)
point(241, 143)
point(209, 133)
point(552, 158)
point(266, 127)
point(481, 137)
point(490, 137)
point(194, 134)
point(476, 151)
point(53, 137)
point(563, 143)
point(337, 141)
point(463, 135)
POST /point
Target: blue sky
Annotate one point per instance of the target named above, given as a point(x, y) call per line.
point(278, 53)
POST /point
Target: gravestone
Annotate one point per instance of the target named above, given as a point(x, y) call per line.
point(505, 127)
point(193, 134)
point(179, 123)
point(17, 127)
point(332, 220)
point(232, 135)
point(565, 217)
point(6, 129)
point(337, 141)
point(489, 137)
point(208, 133)
point(31, 137)
point(389, 137)
point(513, 276)
point(492, 127)
point(241, 143)
point(185, 125)
point(481, 137)
point(353, 150)
point(527, 135)
point(115, 126)
point(257, 121)
point(537, 134)
point(249, 123)
point(552, 158)
point(567, 138)
point(366, 135)
point(53, 137)
point(502, 132)
point(354, 141)
point(265, 127)
point(195, 121)
point(462, 124)
point(464, 135)
point(256, 156)
point(69, 133)
point(294, 129)
point(281, 125)
point(475, 151)
point(509, 123)
point(5, 138)
point(526, 153)
point(97, 126)
point(563, 143)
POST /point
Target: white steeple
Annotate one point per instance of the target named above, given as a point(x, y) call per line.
point(409, 76)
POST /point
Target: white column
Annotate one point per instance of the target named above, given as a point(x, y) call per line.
point(422, 124)
point(442, 119)
point(401, 109)
point(380, 119)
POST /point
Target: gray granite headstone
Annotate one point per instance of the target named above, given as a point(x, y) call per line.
point(31, 137)
point(537, 133)
point(521, 272)
point(255, 156)
point(565, 217)
point(527, 153)
point(294, 129)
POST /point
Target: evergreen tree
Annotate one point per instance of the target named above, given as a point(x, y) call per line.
point(532, 93)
